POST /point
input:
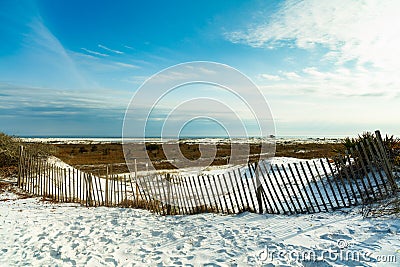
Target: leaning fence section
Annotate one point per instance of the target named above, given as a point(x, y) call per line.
point(362, 175)
point(39, 177)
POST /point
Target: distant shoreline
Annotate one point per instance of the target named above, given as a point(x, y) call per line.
point(119, 140)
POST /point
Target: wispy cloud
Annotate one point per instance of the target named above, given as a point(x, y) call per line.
point(365, 31)
point(137, 79)
point(360, 41)
point(110, 50)
point(291, 75)
point(126, 65)
point(337, 82)
point(94, 52)
point(43, 48)
point(43, 99)
point(129, 47)
point(270, 77)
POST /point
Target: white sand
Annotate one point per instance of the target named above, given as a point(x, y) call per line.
point(39, 233)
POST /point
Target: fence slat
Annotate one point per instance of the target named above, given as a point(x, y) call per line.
point(254, 209)
point(267, 197)
point(383, 153)
point(337, 184)
point(299, 178)
point(365, 176)
point(369, 164)
point(196, 181)
point(212, 193)
point(188, 195)
point(160, 195)
point(207, 193)
point(182, 196)
point(247, 208)
point(358, 175)
point(289, 195)
point(230, 191)
point(273, 189)
point(242, 208)
point(341, 167)
point(354, 178)
point(309, 186)
point(282, 195)
point(333, 191)
point(223, 194)
point(298, 188)
point(339, 174)
point(323, 185)
point(217, 194)
point(195, 192)
point(373, 149)
point(255, 183)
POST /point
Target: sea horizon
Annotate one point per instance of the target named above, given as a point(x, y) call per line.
point(77, 137)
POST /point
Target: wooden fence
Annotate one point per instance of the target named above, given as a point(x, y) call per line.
point(362, 175)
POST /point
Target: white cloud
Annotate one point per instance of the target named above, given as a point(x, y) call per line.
point(337, 82)
point(110, 50)
point(126, 65)
point(137, 79)
point(291, 75)
point(365, 31)
point(16, 97)
point(129, 47)
point(94, 52)
point(270, 77)
point(361, 40)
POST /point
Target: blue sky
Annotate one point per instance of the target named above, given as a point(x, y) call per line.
point(325, 67)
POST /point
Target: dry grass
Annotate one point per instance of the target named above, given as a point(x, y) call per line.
point(387, 207)
point(309, 150)
point(94, 157)
point(6, 186)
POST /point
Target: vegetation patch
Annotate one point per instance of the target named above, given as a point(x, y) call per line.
point(10, 149)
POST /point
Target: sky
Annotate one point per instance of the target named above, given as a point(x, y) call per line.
point(326, 68)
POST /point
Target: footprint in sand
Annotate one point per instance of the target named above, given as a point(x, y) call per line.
point(111, 260)
point(156, 233)
point(197, 243)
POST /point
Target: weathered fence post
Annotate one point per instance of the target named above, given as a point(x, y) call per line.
point(137, 187)
point(389, 173)
point(205, 189)
point(201, 192)
point(106, 187)
point(234, 192)
point(222, 193)
point(270, 195)
point(20, 165)
point(258, 188)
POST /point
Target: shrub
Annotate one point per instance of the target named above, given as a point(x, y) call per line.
point(391, 143)
point(352, 143)
point(82, 149)
point(151, 147)
point(393, 147)
point(9, 150)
